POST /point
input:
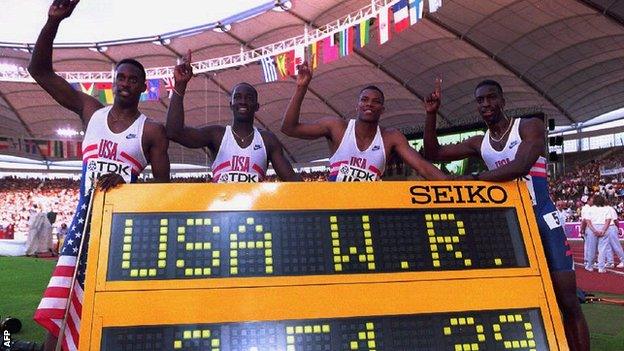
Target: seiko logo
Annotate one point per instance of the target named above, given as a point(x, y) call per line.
point(256, 147)
point(375, 148)
point(131, 136)
point(458, 194)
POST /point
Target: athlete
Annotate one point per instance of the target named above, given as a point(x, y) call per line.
point(360, 147)
point(119, 142)
point(242, 151)
point(514, 149)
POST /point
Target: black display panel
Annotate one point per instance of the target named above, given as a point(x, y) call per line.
point(513, 329)
point(157, 246)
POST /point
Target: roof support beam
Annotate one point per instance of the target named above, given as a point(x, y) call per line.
point(317, 95)
point(23, 122)
point(379, 66)
point(604, 11)
point(501, 62)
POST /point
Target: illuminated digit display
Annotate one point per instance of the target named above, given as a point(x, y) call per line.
point(226, 244)
point(318, 266)
point(461, 331)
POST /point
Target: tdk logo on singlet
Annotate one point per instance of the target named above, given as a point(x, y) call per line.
point(238, 177)
point(355, 171)
point(102, 167)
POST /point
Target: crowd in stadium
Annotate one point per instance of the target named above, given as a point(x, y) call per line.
point(20, 198)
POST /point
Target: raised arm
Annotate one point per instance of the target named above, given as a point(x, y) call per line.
point(529, 150)
point(40, 67)
point(400, 145)
point(280, 163)
point(433, 150)
point(290, 123)
point(176, 131)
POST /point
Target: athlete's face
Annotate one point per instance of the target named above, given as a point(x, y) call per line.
point(128, 84)
point(370, 105)
point(244, 103)
point(490, 103)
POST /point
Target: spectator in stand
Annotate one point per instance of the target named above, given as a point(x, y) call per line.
point(603, 217)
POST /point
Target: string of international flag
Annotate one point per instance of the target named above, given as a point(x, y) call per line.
point(390, 19)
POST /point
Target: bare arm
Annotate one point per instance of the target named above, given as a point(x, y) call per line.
point(290, 123)
point(175, 129)
point(433, 150)
point(412, 158)
point(40, 67)
point(157, 152)
point(531, 147)
point(280, 163)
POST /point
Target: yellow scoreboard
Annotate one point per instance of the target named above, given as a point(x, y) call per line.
point(318, 266)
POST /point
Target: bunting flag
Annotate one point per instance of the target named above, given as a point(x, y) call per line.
point(346, 41)
point(30, 147)
point(87, 88)
point(434, 5)
point(169, 85)
point(362, 33)
point(299, 57)
point(330, 50)
point(105, 93)
point(285, 64)
point(401, 16)
point(384, 25)
point(313, 55)
point(268, 69)
point(415, 11)
point(152, 92)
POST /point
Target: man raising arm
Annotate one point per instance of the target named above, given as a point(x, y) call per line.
point(242, 151)
point(359, 148)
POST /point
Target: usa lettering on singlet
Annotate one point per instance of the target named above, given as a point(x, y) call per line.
point(536, 180)
point(107, 152)
point(234, 164)
point(350, 164)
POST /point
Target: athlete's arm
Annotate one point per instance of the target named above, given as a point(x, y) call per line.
point(40, 67)
point(280, 163)
point(433, 151)
point(400, 145)
point(529, 150)
point(290, 123)
point(175, 128)
point(157, 152)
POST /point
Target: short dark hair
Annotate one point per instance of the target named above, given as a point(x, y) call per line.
point(248, 85)
point(133, 62)
point(490, 82)
point(376, 88)
point(599, 201)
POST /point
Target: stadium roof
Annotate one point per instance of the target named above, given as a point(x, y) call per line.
point(563, 57)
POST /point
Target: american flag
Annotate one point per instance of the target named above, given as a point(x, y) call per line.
point(51, 309)
point(169, 85)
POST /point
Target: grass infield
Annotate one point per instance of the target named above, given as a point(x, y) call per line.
point(23, 279)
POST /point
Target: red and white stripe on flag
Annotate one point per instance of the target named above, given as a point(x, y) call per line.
point(434, 5)
point(169, 85)
point(384, 25)
point(415, 11)
point(401, 16)
point(51, 309)
point(299, 57)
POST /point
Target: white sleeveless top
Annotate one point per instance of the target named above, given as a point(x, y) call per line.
point(234, 164)
point(494, 159)
point(104, 151)
point(349, 164)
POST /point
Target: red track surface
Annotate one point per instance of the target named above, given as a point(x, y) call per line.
point(610, 282)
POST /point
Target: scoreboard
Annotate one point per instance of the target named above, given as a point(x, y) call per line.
point(318, 266)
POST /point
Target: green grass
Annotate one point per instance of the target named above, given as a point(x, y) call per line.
point(22, 281)
point(606, 324)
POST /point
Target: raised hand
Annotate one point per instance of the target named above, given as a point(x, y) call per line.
point(183, 72)
point(61, 9)
point(304, 75)
point(432, 101)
